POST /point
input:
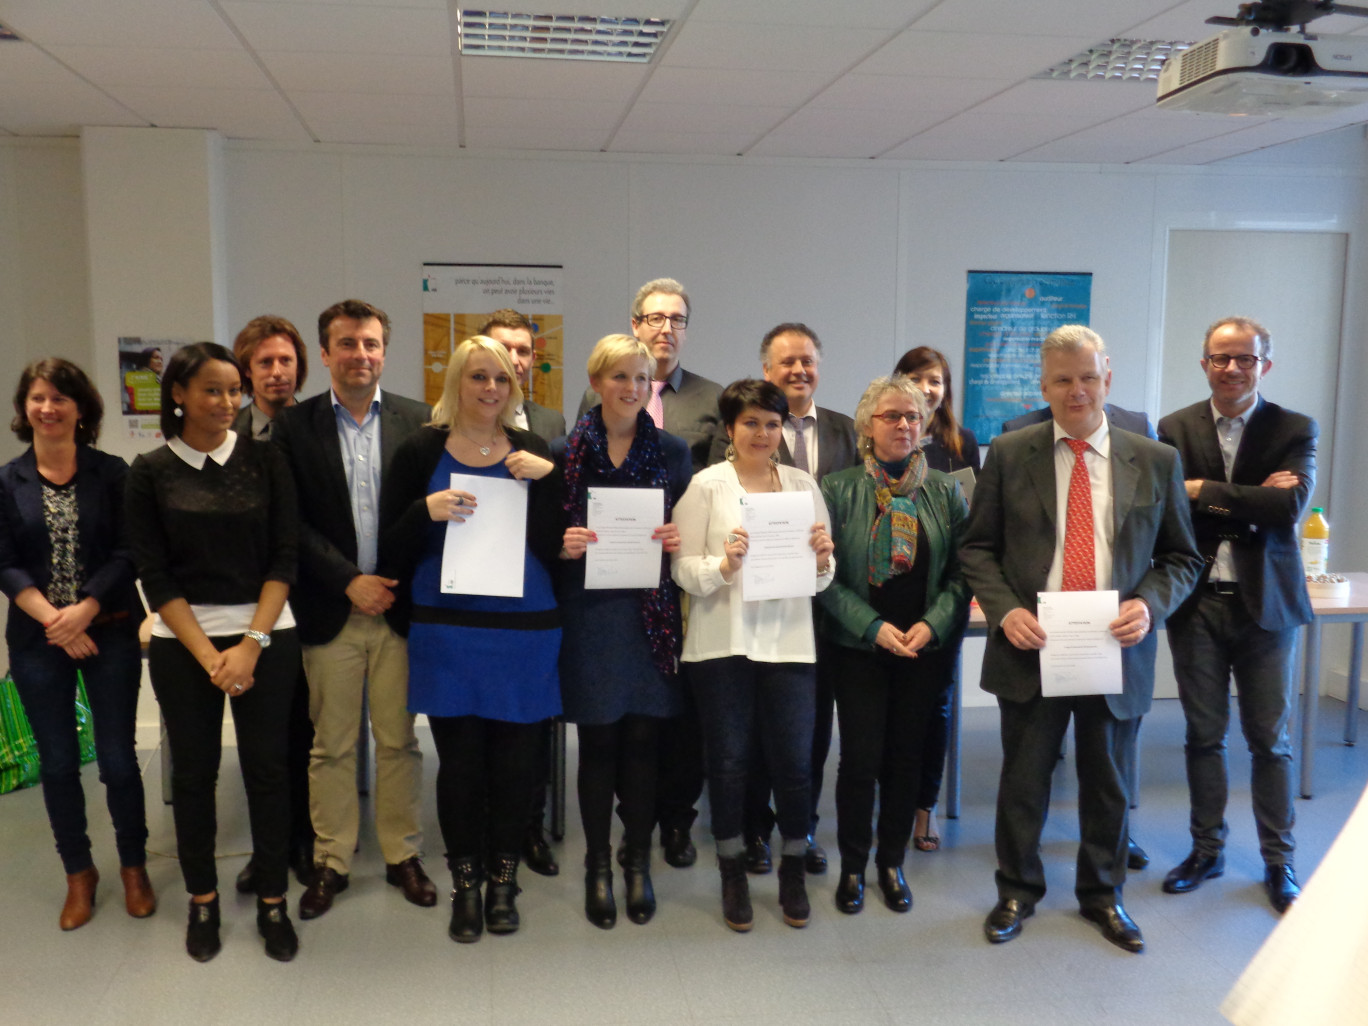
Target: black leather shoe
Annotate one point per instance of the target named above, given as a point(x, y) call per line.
point(679, 847)
point(896, 894)
point(327, 884)
point(202, 932)
point(599, 906)
point(537, 853)
point(1136, 856)
point(1004, 922)
point(1281, 884)
point(850, 893)
point(1117, 927)
point(1189, 874)
point(246, 880)
point(814, 859)
point(273, 923)
point(758, 859)
point(409, 877)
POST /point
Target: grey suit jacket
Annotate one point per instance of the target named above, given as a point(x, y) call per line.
point(1261, 523)
point(307, 433)
point(543, 421)
point(836, 444)
point(690, 413)
point(1010, 542)
point(1126, 420)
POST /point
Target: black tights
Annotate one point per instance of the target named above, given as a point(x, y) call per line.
point(485, 771)
point(618, 758)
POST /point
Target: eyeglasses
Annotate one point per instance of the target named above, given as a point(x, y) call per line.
point(1245, 361)
point(895, 419)
point(657, 320)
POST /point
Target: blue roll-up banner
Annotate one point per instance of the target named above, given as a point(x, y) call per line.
point(1007, 314)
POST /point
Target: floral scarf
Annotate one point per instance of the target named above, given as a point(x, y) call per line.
point(586, 459)
point(893, 538)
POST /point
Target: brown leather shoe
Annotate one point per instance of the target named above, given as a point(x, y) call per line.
point(409, 877)
point(138, 896)
point(327, 884)
point(80, 899)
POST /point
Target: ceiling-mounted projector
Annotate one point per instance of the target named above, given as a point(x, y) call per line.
point(1254, 70)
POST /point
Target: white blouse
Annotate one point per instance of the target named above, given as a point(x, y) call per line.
point(720, 623)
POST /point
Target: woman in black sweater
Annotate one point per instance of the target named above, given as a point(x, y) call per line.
point(213, 526)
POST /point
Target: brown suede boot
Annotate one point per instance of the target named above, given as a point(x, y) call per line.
point(138, 896)
point(80, 899)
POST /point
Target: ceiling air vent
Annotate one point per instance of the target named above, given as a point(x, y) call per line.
point(1121, 60)
point(571, 37)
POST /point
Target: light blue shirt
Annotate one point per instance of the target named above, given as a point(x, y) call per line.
point(361, 459)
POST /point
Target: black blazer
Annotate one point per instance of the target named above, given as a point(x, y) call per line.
point(404, 519)
point(307, 434)
point(26, 547)
point(1261, 523)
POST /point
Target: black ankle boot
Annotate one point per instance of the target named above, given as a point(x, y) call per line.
point(736, 906)
point(202, 933)
point(501, 914)
point(273, 923)
point(793, 897)
point(636, 869)
point(467, 918)
point(599, 906)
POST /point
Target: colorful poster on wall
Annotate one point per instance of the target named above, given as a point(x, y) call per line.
point(141, 362)
point(458, 299)
point(1007, 315)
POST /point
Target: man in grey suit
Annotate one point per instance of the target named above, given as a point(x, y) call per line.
point(274, 367)
point(338, 445)
point(513, 331)
point(684, 404)
point(1251, 468)
point(1113, 501)
point(819, 441)
point(1126, 420)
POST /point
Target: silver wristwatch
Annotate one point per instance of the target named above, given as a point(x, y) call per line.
point(260, 637)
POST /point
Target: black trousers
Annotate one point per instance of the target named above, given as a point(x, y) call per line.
point(618, 759)
point(193, 710)
point(485, 771)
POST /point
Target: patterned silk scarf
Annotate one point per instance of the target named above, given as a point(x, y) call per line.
point(586, 458)
point(893, 538)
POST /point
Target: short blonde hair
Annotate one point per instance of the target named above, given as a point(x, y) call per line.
point(612, 348)
point(869, 402)
point(448, 408)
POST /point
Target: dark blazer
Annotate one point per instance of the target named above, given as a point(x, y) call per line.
point(1127, 420)
point(543, 421)
point(405, 522)
point(938, 457)
point(307, 433)
point(690, 414)
point(836, 444)
point(1010, 542)
point(1261, 523)
point(103, 548)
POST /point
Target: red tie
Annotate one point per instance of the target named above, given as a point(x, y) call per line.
point(1080, 567)
point(654, 406)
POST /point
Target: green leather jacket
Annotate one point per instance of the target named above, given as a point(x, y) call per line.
point(847, 617)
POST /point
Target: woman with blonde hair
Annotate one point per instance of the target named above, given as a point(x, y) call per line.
point(620, 652)
point(482, 667)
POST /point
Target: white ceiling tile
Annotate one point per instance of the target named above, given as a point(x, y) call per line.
point(197, 107)
point(548, 115)
point(25, 64)
point(531, 78)
point(1234, 143)
point(1094, 99)
point(163, 67)
point(721, 85)
point(906, 92)
point(948, 147)
point(721, 144)
point(1098, 19)
point(970, 54)
point(147, 23)
point(1125, 140)
point(1186, 21)
point(385, 134)
point(701, 119)
point(504, 135)
point(60, 108)
point(884, 14)
point(836, 132)
point(413, 109)
point(365, 34)
point(327, 72)
point(715, 44)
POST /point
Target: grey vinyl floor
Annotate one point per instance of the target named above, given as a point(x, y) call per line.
point(374, 959)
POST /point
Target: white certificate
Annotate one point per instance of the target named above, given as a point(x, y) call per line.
point(779, 559)
point(483, 555)
point(1080, 656)
point(624, 556)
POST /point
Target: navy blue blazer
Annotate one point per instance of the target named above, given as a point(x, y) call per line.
point(103, 549)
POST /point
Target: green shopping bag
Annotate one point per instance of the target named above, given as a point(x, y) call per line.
point(18, 751)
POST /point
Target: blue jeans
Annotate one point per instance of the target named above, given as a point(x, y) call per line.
point(743, 702)
point(45, 677)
